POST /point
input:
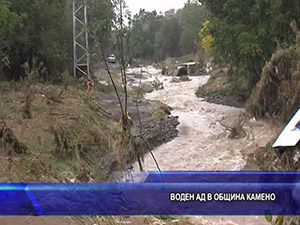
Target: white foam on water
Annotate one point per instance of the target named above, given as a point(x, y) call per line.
point(201, 144)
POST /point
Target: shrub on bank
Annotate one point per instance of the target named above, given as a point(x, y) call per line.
point(277, 94)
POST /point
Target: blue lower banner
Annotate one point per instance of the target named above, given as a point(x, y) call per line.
point(160, 193)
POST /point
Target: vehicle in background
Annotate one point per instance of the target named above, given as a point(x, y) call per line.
point(112, 58)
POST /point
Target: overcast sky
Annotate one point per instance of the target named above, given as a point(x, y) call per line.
point(150, 5)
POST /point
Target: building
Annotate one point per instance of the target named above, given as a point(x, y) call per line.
point(170, 13)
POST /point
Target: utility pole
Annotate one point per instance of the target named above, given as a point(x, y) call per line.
point(81, 56)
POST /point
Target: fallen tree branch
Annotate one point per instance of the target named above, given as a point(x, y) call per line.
point(236, 130)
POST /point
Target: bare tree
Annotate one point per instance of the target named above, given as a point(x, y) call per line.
point(122, 35)
point(129, 139)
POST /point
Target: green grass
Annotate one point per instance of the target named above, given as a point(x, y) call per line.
point(64, 169)
point(216, 85)
point(108, 89)
point(10, 110)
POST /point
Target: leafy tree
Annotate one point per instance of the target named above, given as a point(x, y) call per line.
point(145, 26)
point(44, 34)
point(155, 36)
point(101, 17)
point(41, 32)
point(51, 26)
point(159, 46)
point(206, 37)
point(12, 35)
point(246, 33)
point(170, 34)
point(192, 17)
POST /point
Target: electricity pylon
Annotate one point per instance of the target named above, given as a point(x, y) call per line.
point(81, 54)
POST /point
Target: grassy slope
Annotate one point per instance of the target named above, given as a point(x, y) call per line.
point(218, 84)
point(277, 93)
point(88, 132)
point(83, 133)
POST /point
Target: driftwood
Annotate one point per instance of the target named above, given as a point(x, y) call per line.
point(236, 129)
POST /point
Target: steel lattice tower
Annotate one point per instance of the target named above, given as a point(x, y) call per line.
point(81, 55)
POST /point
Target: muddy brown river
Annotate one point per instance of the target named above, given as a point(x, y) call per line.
point(202, 143)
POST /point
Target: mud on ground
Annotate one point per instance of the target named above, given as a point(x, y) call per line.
point(71, 135)
point(158, 126)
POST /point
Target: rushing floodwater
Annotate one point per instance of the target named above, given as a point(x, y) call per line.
point(201, 145)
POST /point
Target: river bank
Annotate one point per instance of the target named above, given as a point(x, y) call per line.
point(88, 123)
point(203, 143)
